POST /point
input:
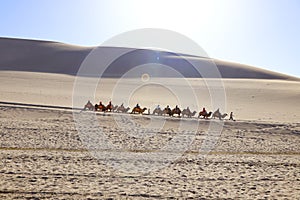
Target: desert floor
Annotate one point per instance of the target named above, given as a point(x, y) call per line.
point(44, 156)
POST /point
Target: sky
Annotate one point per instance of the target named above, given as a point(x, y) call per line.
point(261, 33)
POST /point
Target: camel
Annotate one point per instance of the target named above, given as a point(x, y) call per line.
point(126, 110)
point(224, 115)
point(109, 107)
point(100, 108)
point(188, 113)
point(138, 110)
point(114, 108)
point(88, 106)
point(175, 111)
point(122, 109)
point(218, 114)
point(167, 111)
point(157, 111)
point(205, 115)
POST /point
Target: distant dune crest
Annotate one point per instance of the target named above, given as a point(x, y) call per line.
point(54, 57)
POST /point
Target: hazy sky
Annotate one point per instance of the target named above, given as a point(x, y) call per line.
point(263, 33)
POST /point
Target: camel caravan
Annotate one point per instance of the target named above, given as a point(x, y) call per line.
point(167, 111)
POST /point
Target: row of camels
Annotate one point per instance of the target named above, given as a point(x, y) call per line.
point(107, 108)
point(187, 113)
point(157, 111)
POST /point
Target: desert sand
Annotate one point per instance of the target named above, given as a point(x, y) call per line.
point(49, 149)
point(249, 99)
point(43, 155)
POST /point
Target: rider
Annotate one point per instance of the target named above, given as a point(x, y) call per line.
point(101, 106)
point(88, 105)
point(168, 108)
point(157, 107)
point(204, 111)
point(188, 109)
point(137, 106)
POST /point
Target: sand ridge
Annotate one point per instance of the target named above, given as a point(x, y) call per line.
point(55, 57)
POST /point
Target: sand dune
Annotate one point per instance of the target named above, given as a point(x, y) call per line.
point(54, 57)
point(40, 56)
